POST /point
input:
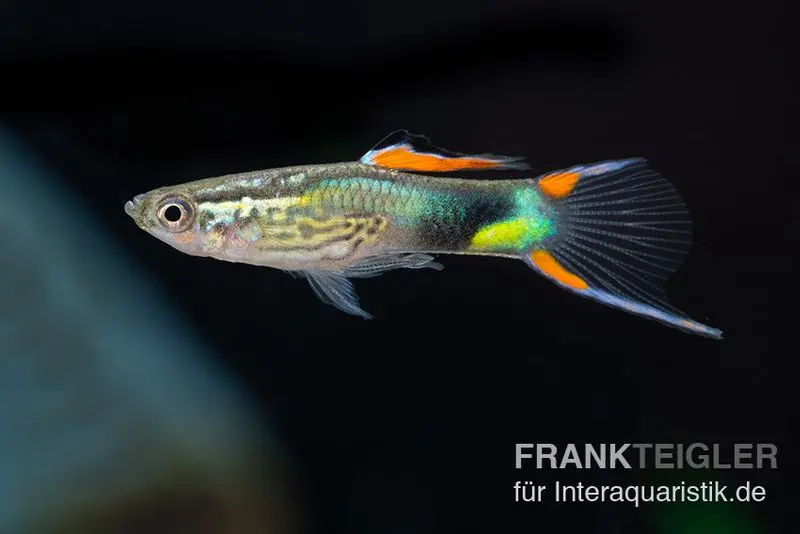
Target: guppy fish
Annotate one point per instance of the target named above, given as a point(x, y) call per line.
point(612, 231)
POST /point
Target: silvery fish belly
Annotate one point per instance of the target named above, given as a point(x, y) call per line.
point(610, 231)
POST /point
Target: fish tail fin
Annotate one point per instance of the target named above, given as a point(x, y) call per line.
point(621, 231)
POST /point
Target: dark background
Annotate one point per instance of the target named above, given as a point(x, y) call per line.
point(408, 423)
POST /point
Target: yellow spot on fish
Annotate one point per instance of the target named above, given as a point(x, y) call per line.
point(305, 200)
point(505, 234)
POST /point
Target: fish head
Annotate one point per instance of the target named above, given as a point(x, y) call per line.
point(170, 215)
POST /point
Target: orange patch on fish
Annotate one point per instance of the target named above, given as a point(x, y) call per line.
point(559, 185)
point(550, 267)
point(184, 237)
point(403, 157)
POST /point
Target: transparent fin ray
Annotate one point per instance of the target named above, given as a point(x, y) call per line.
point(335, 289)
point(623, 230)
point(377, 265)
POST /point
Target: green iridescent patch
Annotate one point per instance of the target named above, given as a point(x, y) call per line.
point(530, 224)
point(407, 204)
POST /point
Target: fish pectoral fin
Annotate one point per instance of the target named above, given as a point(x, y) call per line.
point(334, 288)
point(411, 152)
point(377, 265)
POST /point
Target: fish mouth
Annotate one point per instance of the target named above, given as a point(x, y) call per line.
point(132, 206)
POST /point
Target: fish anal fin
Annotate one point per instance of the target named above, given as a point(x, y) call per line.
point(377, 265)
point(402, 150)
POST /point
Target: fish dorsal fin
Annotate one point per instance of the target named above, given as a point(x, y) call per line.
point(402, 150)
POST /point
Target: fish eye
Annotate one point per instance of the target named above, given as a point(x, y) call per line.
point(175, 214)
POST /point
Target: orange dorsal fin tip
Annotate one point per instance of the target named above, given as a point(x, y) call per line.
point(405, 151)
point(559, 184)
point(549, 266)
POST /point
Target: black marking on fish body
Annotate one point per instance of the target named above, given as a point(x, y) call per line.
point(318, 246)
point(306, 231)
point(451, 234)
point(206, 218)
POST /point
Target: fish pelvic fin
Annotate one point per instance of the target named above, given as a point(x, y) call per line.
point(402, 150)
point(621, 230)
point(336, 289)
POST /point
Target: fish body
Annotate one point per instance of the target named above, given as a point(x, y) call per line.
point(332, 216)
point(612, 231)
